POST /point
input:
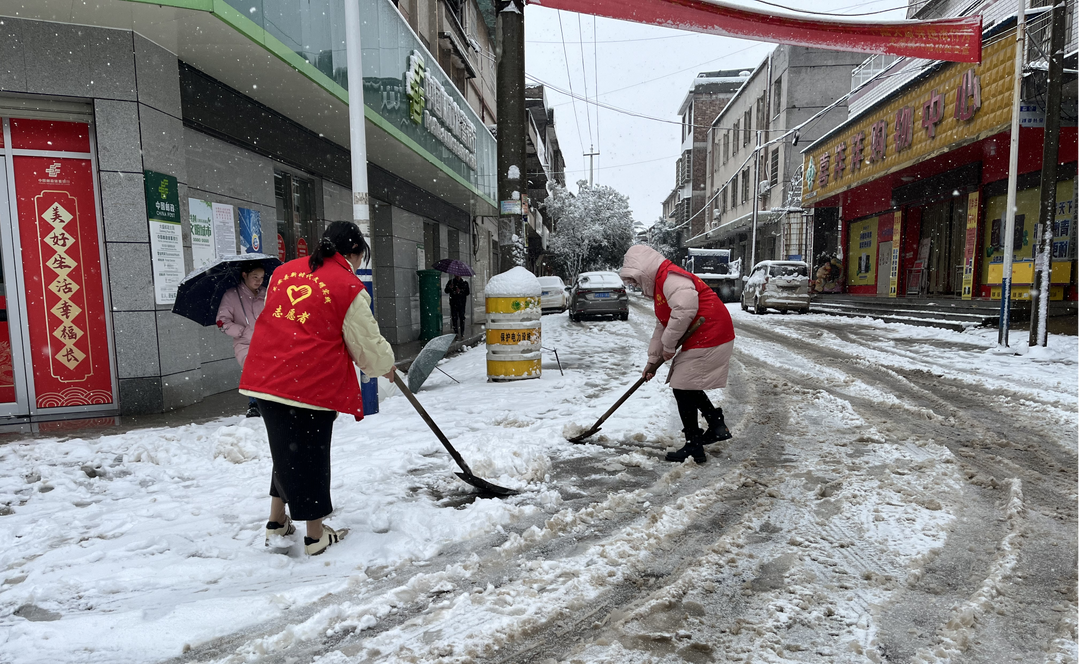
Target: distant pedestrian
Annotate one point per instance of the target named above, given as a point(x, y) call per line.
point(679, 298)
point(300, 368)
point(458, 289)
point(239, 309)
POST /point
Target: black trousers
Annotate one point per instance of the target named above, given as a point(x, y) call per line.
point(457, 316)
point(300, 446)
point(691, 402)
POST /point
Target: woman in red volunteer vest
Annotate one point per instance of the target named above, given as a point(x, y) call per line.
point(316, 324)
point(680, 298)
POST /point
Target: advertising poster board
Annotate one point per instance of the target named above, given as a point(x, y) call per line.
point(251, 241)
point(201, 220)
point(224, 230)
point(65, 302)
point(862, 250)
point(166, 241)
point(894, 270)
point(971, 237)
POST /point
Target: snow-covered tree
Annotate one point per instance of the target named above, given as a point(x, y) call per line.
point(664, 238)
point(593, 228)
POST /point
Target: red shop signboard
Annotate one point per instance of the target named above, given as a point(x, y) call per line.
point(61, 261)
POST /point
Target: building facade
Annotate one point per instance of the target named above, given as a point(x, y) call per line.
point(708, 95)
point(545, 168)
point(752, 162)
point(916, 183)
point(140, 139)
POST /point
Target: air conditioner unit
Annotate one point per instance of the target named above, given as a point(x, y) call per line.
point(763, 187)
point(716, 213)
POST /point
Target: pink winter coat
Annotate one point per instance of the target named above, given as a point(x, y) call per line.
point(236, 317)
point(694, 369)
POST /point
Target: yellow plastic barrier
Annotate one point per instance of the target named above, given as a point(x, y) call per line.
point(513, 326)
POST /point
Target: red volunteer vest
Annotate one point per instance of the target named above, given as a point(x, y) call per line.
point(717, 328)
point(297, 350)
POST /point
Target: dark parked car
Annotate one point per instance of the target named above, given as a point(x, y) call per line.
point(599, 294)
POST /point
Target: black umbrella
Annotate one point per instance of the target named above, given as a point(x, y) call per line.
point(200, 293)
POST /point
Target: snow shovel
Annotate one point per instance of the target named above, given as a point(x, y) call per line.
point(466, 475)
point(580, 438)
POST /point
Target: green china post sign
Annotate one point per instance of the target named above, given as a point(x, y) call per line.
point(166, 239)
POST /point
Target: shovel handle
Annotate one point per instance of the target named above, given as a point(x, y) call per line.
point(653, 366)
point(431, 423)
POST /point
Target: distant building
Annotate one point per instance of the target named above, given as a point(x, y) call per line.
point(789, 86)
point(545, 167)
point(708, 94)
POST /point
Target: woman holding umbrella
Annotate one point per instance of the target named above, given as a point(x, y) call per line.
point(318, 324)
point(239, 309)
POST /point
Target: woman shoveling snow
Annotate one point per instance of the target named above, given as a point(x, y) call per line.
point(678, 299)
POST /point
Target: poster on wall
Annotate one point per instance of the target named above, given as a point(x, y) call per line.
point(224, 230)
point(65, 302)
point(251, 241)
point(862, 250)
point(894, 266)
point(201, 220)
point(166, 241)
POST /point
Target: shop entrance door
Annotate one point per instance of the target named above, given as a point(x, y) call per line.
point(884, 267)
point(944, 224)
point(14, 399)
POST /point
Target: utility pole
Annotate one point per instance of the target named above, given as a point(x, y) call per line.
point(1014, 158)
point(510, 107)
point(590, 154)
point(1040, 294)
point(361, 209)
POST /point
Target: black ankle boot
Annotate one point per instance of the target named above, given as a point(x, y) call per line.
point(692, 448)
point(717, 429)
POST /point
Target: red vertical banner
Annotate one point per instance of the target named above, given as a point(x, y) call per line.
point(61, 261)
point(7, 368)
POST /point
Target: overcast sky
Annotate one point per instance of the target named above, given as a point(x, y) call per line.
point(639, 68)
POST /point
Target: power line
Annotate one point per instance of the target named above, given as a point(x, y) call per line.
point(584, 78)
point(569, 80)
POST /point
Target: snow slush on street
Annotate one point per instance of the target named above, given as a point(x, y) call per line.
point(890, 494)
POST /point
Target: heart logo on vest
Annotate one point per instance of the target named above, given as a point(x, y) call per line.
point(298, 293)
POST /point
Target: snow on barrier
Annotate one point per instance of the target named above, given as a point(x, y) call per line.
point(513, 325)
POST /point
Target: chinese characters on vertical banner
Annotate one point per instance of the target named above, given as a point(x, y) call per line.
point(64, 292)
point(970, 238)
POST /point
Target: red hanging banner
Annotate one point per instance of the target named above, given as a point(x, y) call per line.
point(61, 262)
point(951, 39)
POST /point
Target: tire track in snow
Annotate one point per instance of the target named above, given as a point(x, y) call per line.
point(980, 434)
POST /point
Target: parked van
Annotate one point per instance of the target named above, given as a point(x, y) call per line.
point(781, 285)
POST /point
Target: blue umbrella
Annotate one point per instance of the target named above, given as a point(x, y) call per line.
point(200, 293)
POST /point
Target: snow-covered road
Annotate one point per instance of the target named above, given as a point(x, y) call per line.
point(892, 494)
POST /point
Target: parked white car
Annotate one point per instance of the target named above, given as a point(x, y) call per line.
point(553, 296)
point(780, 285)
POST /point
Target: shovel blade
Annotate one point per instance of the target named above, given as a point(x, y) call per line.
point(580, 438)
point(486, 488)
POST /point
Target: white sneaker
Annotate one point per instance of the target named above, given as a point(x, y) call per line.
point(314, 547)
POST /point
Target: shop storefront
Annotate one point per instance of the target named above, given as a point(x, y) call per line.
point(132, 157)
point(919, 184)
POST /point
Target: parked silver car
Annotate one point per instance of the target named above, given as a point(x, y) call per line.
point(599, 294)
point(553, 295)
point(782, 285)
